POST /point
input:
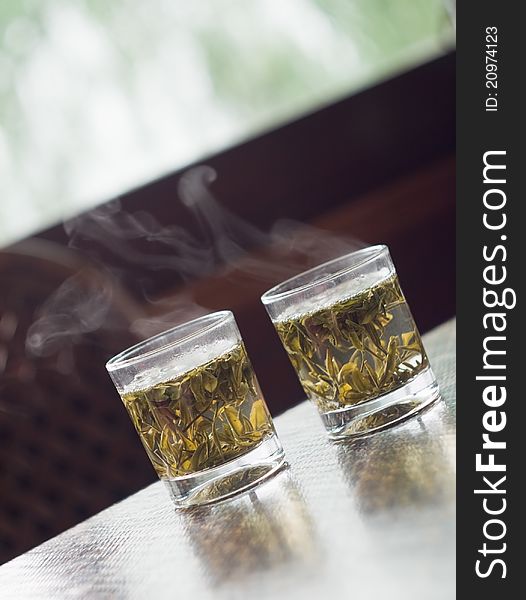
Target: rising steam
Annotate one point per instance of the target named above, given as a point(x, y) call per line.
point(225, 243)
point(78, 306)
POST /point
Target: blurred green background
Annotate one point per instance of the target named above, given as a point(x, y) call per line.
point(98, 96)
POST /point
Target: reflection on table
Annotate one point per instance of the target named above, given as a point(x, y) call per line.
point(410, 467)
point(262, 530)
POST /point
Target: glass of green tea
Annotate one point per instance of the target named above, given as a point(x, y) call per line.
point(352, 340)
point(194, 399)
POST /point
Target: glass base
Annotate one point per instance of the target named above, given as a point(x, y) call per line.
point(231, 478)
point(382, 412)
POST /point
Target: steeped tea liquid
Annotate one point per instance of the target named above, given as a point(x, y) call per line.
point(202, 418)
point(356, 348)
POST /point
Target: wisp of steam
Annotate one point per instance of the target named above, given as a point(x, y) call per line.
point(225, 243)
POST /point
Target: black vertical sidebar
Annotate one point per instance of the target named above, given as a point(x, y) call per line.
point(491, 254)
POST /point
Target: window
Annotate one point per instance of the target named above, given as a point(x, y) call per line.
point(97, 97)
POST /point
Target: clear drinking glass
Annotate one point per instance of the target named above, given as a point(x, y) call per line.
point(197, 406)
point(353, 342)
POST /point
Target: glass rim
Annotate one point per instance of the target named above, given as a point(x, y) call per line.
point(283, 289)
point(133, 354)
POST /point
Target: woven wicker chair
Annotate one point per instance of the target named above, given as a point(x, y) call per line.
point(67, 447)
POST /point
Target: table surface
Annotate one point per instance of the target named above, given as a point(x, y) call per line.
point(372, 518)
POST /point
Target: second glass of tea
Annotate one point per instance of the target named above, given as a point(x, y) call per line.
point(196, 404)
point(352, 340)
